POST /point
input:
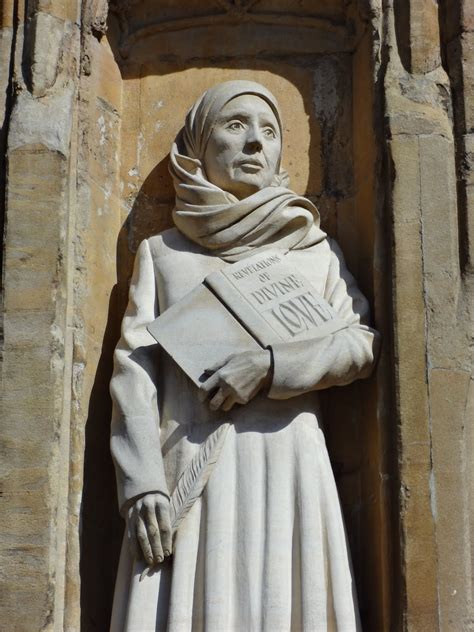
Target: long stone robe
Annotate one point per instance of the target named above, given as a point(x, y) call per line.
point(264, 547)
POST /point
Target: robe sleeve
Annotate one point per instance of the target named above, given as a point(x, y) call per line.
point(135, 436)
point(337, 359)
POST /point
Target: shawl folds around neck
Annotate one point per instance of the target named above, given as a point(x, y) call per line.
point(215, 219)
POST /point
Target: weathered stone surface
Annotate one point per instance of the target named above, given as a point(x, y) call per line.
point(424, 36)
point(444, 300)
point(437, 209)
point(459, 48)
point(33, 374)
point(46, 122)
point(451, 455)
point(44, 65)
point(37, 330)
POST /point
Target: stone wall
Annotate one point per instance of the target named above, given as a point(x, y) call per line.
point(432, 316)
point(39, 130)
point(377, 99)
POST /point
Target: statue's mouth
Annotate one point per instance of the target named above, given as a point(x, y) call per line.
point(251, 166)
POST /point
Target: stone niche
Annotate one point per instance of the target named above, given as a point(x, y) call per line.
point(319, 58)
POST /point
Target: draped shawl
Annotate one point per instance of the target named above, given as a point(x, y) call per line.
point(231, 228)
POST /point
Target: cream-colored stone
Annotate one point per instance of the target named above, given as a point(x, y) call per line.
point(6, 40)
point(424, 36)
point(431, 435)
point(406, 186)
point(6, 14)
point(31, 373)
point(45, 60)
point(466, 42)
point(419, 554)
point(415, 110)
point(62, 9)
point(467, 16)
point(442, 282)
point(42, 122)
point(218, 35)
point(468, 141)
point(449, 391)
point(105, 76)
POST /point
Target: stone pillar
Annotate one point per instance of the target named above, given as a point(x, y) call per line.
point(37, 314)
point(430, 327)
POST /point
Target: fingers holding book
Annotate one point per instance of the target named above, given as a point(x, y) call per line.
point(237, 380)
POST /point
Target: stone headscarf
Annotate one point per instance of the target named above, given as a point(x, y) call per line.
point(233, 229)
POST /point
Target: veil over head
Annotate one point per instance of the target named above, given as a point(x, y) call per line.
point(215, 219)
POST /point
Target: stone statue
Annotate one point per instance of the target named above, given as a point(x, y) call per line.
point(262, 545)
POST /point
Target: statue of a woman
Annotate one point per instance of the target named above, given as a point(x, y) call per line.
point(263, 547)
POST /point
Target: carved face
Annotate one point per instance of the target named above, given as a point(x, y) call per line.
point(243, 151)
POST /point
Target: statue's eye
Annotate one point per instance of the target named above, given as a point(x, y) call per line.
point(269, 132)
point(235, 126)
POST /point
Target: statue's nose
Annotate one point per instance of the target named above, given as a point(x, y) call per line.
point(254, 138)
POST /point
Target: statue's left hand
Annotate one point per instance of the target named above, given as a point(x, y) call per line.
point(237, 380)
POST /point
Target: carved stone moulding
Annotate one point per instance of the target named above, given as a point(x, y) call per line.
point(229, 26)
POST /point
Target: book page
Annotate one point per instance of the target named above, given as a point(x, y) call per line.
point(274, 300)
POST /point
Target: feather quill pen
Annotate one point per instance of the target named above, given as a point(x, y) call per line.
point(193, 480)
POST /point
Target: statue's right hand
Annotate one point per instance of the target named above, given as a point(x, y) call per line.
point(149, 528)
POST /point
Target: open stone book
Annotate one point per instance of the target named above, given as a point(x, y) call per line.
point(251, 304)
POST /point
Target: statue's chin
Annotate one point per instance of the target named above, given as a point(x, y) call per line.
point(246, 186)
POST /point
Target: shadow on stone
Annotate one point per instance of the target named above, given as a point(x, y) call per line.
point(101, 525)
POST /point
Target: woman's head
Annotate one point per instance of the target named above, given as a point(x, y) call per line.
point(232, 198)
point(243, 152)
point(234, 131)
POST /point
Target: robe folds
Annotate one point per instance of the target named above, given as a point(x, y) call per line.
point(264, 547)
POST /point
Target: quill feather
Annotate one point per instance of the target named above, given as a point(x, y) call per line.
point(193, 480)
